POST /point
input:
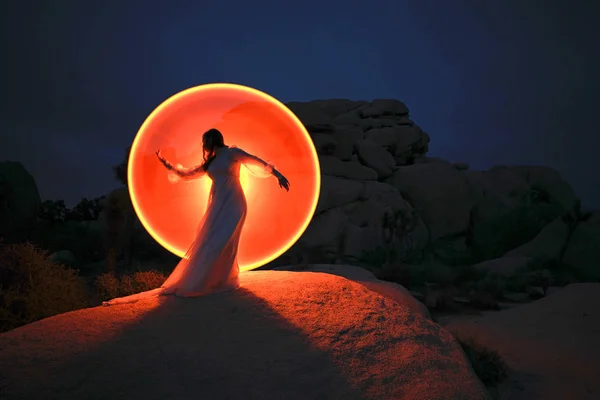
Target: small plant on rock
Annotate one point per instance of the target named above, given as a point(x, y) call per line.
point(487, 364)
point(110, 286)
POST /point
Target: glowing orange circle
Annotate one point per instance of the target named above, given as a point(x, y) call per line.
point(249, 119)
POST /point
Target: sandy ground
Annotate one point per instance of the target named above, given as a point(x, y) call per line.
point(284, 335)
point(552, 345)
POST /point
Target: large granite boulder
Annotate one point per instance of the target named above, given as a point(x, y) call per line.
point(548, 244)
point(374, 160)
point(19, 197)
point(583, 249)
point(441, 194)
point(283, 335)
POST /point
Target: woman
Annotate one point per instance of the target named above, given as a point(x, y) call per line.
point(210, 265)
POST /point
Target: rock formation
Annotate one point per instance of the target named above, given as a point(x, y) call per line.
point(284, 335)
point(377, 178)
point(374, 162)
point(19, 197)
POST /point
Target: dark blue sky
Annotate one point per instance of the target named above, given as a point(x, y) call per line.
point(509, 83)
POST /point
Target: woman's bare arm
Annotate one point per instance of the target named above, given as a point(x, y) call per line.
point(186, 173)
point(190, 173)
point(249, 159)
point(266, 168)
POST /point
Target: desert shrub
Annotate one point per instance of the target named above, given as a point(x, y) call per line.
point(85, 242)
point(86, 210)
point(487, 364)
point(33, 288)
point(54, 212)
point(110, 286)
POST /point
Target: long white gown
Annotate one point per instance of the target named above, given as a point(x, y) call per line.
point(210, 265)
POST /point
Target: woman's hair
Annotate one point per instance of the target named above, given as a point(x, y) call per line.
point(212, 139)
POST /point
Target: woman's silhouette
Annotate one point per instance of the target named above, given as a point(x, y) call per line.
point(210, 265)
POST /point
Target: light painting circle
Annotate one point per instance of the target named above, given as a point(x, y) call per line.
point(249, 119)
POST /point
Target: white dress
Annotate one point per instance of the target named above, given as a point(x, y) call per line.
point(210, 265)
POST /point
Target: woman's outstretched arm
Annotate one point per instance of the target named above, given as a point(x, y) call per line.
point(194, 172)
point(250, 160)
point(259, 167)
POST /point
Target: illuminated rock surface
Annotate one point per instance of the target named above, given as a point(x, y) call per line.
point(284, 335)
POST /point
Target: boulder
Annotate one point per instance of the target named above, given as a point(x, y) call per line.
point(325, 228)
point(324, 143)
point(384, 137)
point(337, 192)
point(368, 212)
point(500, 186)
point(551, 181)
point(461, 166)
point(548, 244)
point(583, 250)
point(385, 121)
point(19, 196)
point(431, 160)
point(333, 166)
point(358, 240)
point(376, 157)
point(312, 116)
point(386, 194)
point(504, 266)
point(440, 193)
point(351, 118)
point(335, 107)
point(305, 335)
point(64, 257)
point(391, 290)
point(381, 107)
point(346, 138)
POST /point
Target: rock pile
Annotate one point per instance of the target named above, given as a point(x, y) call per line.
point(374, 163)
point(381, 190)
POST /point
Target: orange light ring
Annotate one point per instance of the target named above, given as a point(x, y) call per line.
point(262, 95)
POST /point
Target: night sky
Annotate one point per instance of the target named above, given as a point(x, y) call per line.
point(515, 83)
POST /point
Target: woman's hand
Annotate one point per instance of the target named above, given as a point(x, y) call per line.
point(163, 160)
point(283, 182)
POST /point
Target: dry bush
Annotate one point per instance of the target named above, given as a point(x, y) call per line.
point(110, 286)
point(487, 363)
point(33, 287)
